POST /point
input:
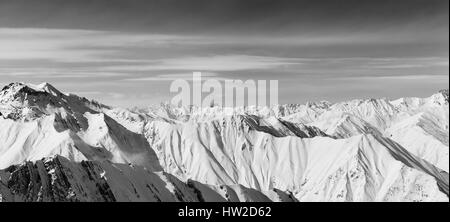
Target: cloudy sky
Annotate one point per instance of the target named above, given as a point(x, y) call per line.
point(127, 53)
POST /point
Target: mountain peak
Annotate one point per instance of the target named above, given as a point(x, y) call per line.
point(47, 87)
point(12, 86)
point(22, 91)
point(19, 98)
point(20, 87)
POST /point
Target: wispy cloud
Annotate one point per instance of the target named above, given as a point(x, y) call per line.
point(108, 95)
point(183, 76)
point(212, 63)
point(397, 77)
point(74, 45)
point(57, 73)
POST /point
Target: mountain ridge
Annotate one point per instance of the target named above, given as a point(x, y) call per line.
point(358, 150)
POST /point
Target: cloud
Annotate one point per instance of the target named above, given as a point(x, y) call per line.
point(75, 45)
point(368, 66)
point(90, 46)
point(398, 77)
point(183, 76)
point(103, 95)
point(212, 63)
point(50, 73)
point(250, 16)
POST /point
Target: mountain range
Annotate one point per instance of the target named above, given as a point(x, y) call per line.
point(56, 146)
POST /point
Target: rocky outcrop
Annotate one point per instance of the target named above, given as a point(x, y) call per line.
point(56, 179)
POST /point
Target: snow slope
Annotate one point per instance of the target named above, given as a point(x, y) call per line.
point(359, 168)
point(67, 125)
point(359, 150)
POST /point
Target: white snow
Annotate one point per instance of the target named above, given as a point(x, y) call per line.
point(359, 150)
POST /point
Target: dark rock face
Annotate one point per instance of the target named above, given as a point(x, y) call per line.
point(49, 180)
point(101, 184)
point(57, 179)
point(445, 94)
point(284, 129)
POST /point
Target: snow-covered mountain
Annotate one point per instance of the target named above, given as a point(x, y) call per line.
point(39, 121)
point(61, 147)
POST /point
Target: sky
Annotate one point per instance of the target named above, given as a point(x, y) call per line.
point(127, 52)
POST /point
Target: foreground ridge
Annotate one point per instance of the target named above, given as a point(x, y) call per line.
point(58, 179)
